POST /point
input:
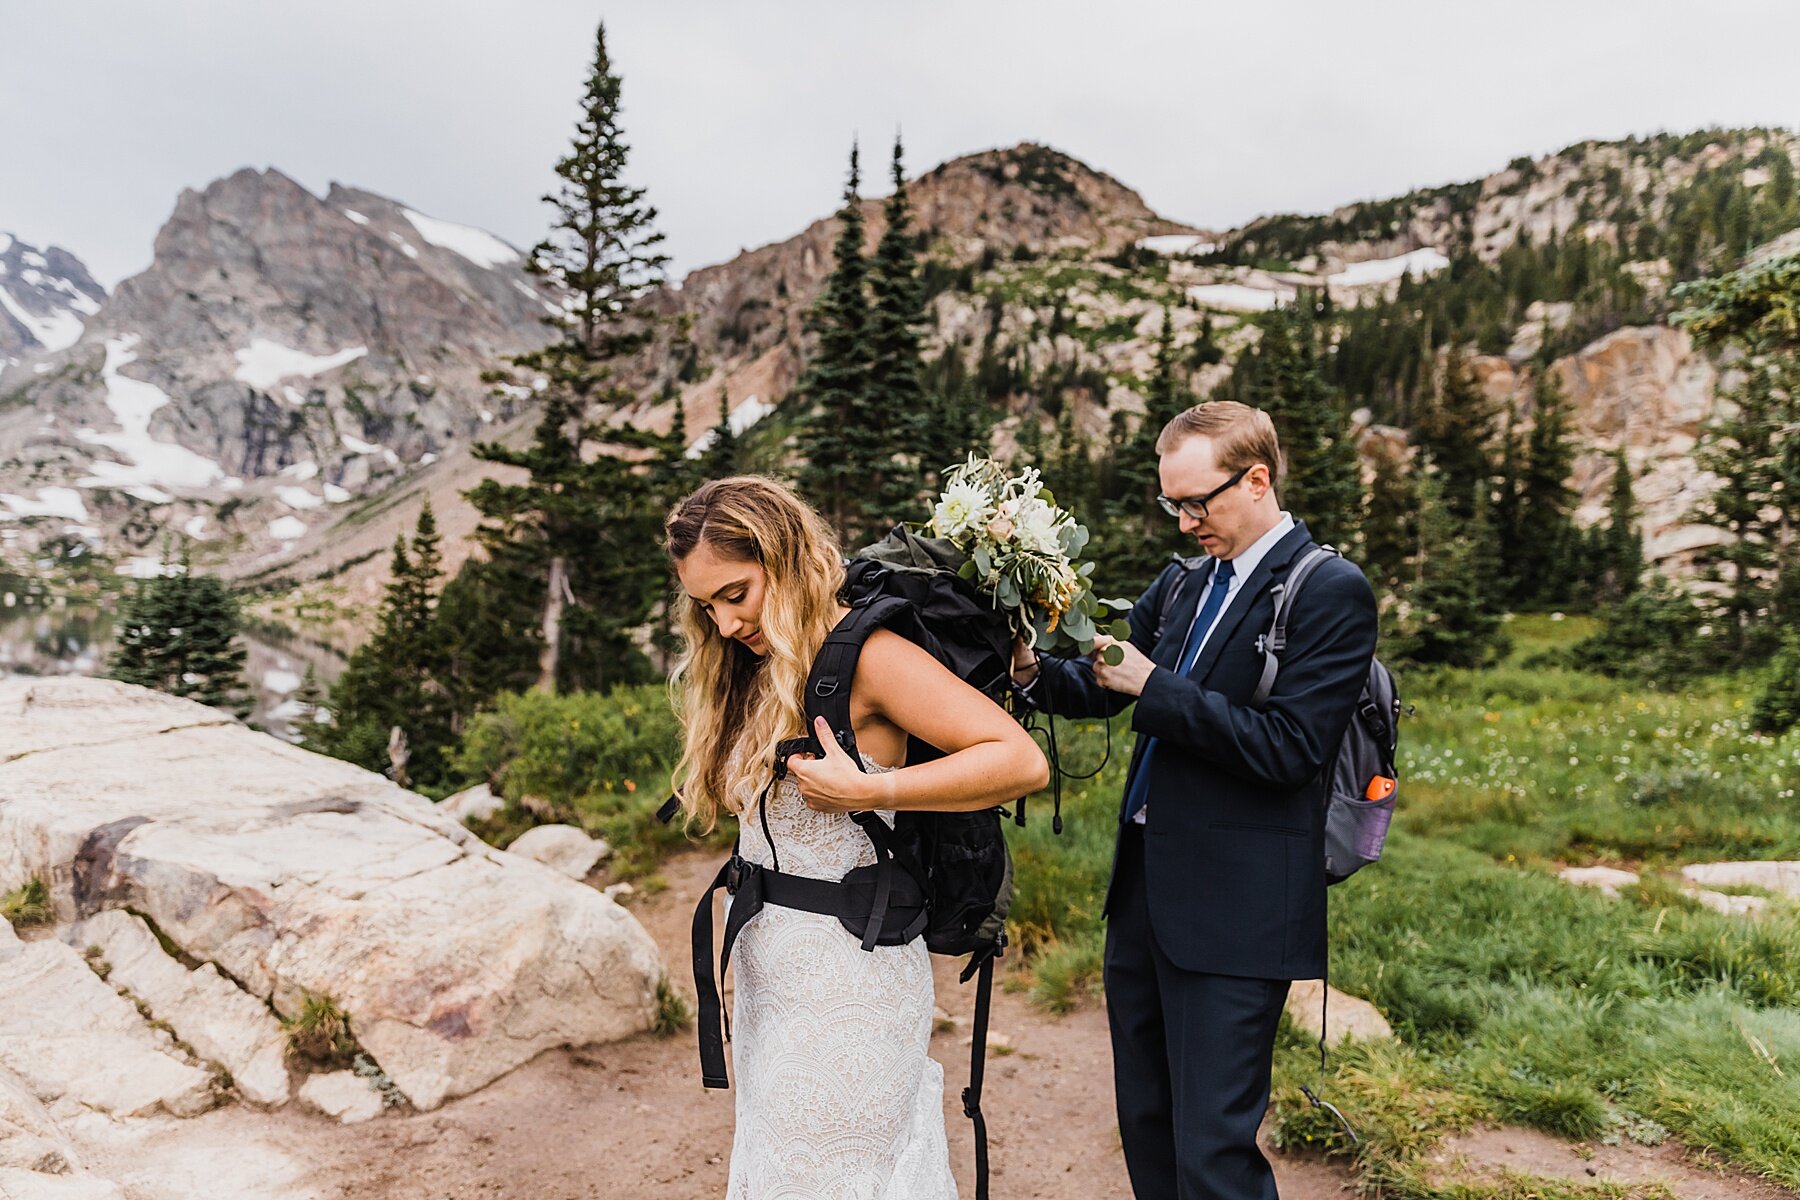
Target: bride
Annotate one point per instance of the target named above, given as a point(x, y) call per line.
point(836, 1095)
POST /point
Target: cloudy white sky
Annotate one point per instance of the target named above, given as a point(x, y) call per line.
point(740, 114)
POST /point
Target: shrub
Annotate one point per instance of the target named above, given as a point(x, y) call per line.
point(1651, 635)
point(320, 1033)
point(1778, 703)
point(28, 904)
point(599, 760)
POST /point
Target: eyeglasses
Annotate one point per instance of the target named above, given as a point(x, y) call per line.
point(1195, 506)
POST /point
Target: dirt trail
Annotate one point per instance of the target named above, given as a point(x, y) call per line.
point(630, 1120)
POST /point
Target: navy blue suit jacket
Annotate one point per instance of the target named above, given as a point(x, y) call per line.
point(1234, 857)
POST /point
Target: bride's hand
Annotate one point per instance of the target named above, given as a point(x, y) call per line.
point(833, 783)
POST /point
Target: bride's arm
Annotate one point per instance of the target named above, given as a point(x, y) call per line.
point(988, 758)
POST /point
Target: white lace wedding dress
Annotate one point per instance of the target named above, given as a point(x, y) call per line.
point(837, 1098)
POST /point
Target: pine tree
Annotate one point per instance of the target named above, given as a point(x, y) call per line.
point(1620, 559)
point(896, 424)
point(835, 387)
point(1456, 427)
point(178, 633)
point(574, 547)
point(1446, 615)
point(724, 454)
point(1140, 536)
point(1541, 557)
point(1742, 445)
point(397, 679)
point(1283, 377)
point(309, 699)
point(1389, 534)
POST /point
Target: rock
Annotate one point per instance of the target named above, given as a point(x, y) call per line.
point(1346, 1016)
point(1729, 905)
point(75, 1043)
point(223, 1023)
point(1608, 879)
point(35, 1185)
point(622, 888)
point(297, 874)
point(29, 1138)
point(1779, 877)
point(472, 804)
point(342, 1094)
point(562, 848)
point(10, 944)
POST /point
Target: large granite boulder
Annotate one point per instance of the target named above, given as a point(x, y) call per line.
point(220, 1021)
point(296, 875)
point(79, 1046)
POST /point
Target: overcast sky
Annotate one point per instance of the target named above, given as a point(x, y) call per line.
point(740, 114)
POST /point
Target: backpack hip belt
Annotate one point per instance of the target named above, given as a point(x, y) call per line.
point(878, 904)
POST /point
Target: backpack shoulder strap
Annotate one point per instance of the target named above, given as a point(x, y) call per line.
point(1181, 568)
point(1274, 642)
point(833, 670)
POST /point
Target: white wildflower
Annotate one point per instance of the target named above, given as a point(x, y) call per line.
point(964, 506)
point(1035, 525)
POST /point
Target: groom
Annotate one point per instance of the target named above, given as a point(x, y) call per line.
point(1217, 897)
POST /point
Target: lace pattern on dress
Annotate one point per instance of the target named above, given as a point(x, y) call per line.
point(837, 1097)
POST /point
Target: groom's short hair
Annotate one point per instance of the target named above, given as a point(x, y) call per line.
point(1241, 436)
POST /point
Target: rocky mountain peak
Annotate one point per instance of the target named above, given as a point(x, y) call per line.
point(46, 297)
point(284, 353)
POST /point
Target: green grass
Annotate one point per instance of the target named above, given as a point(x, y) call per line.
point(320, 1033)
point(1515, 997)
point(27, 905)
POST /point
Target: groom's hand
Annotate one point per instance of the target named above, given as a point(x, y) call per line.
point(1132, 673)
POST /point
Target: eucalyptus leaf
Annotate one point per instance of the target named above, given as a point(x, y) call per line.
point(1113, 656)
point(967, 570)
point(1119, 631)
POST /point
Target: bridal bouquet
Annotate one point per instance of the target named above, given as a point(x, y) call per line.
point(1025, 553)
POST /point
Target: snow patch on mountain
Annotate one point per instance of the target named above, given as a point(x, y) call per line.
point(1173, 245)
point(477, 245)
point(56, 330)
point(265, 363)
point(1419, 263)
point(297, 497)
point(1238, 297)
point(744, 414)
point(287, 529)
point(51, 502)
point(152, 463)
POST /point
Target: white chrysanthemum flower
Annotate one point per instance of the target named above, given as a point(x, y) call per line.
point(963, 507)
point(1034, 525)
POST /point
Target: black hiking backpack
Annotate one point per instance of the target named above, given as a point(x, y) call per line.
point(943, 876)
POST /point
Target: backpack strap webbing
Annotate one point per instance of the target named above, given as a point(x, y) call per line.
point(1274, 642)
point(971, 1096)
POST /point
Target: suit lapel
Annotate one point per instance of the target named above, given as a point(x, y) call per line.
point(1274, 563)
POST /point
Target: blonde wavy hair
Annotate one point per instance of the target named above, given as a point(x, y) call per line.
point(735, 705)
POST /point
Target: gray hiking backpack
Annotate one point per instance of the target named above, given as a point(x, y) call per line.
point(1363, 780)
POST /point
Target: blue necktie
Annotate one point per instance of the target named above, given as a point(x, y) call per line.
point(1138, 793)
